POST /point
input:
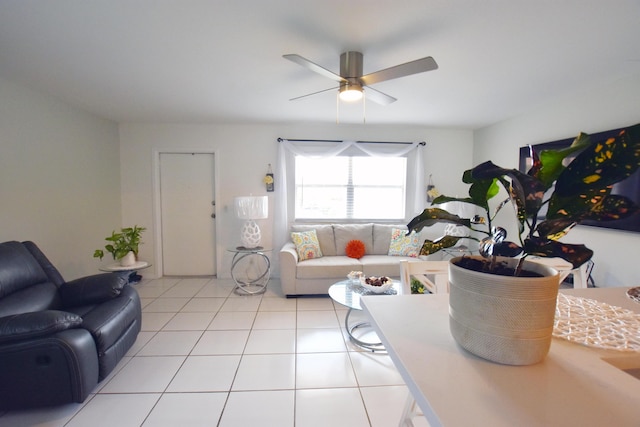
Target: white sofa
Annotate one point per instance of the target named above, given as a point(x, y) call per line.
point(315, 276)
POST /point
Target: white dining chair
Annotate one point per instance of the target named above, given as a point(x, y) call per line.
point(434, 275)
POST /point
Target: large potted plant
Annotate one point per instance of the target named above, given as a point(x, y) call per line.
point(123, 245)
point(496, 310)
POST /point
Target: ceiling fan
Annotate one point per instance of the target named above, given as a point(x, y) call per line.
point(352, 82)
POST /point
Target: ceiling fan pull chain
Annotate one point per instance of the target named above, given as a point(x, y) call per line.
point(364, 108)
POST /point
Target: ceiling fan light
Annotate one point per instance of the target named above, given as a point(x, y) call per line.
point(350, 93)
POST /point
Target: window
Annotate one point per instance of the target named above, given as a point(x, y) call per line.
point(350, 187)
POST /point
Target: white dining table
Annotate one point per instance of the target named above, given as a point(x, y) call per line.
point(575, 385)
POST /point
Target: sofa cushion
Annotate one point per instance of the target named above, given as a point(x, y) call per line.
point(336, 267)
point(43, 296)
point(52, 273)
point(27, 326)
point(403, 244)
point(18, 269)
point(325, 236)
point(355, 249)
point(307, 244)
point(345, 232)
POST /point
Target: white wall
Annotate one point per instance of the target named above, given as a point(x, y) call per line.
point(59, 178)
point(610, 106)
point(243, 152)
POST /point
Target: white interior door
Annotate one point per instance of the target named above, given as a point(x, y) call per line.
point(187, 194)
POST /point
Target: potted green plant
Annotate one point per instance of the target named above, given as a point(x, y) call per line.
point(571, 193)
point(123, 245)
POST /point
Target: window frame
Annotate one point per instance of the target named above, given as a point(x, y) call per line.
point(351, 189)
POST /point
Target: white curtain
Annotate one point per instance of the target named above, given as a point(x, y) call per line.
point(284, 187)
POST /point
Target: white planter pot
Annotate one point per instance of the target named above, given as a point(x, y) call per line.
point(503, 319)
point(128, 260)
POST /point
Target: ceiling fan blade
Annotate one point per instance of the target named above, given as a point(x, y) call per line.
point(406, 69)
point(314, 93)
point(378, 97)
point(313, 67)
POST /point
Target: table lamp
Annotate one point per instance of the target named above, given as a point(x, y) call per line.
point(251, 208)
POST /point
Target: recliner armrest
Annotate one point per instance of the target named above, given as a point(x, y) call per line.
point(25, 326)
point(91, 289)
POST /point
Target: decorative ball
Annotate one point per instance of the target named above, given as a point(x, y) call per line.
point(354, 249)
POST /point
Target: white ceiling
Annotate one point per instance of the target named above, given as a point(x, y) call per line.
point(221, 60)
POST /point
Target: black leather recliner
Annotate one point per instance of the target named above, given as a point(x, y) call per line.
point(59, 339)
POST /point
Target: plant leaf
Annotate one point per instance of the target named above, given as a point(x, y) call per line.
point(612, 208)
point(601, 164)
point(535, 167)
point(518, 200)
point(554, 229)
point(446, 199)
point(596, 206)
point(482, 189)
point(507, 249)
point(431, 216)
point(527, 191)
point(575, 206)
point(551, 161)
point(575, 254)
point(432, 246)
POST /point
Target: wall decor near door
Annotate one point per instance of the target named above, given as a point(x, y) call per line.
point(268, 179)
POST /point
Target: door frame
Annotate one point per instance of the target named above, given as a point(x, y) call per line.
point(157, 201)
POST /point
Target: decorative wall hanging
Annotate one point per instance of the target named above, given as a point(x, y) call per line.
point(432, 192)
point(268, 179)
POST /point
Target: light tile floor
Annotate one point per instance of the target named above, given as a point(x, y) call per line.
point(209, 357)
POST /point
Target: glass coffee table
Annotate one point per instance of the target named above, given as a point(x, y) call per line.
point(348, 293)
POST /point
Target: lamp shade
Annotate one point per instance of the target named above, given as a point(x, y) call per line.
point(252, 207)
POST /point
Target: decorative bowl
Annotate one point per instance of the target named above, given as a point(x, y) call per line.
point(378, 289)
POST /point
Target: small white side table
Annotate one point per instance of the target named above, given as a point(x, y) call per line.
point(250, 270)
point(123, 271)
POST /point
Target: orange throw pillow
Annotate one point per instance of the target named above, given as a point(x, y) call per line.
point(354, 249)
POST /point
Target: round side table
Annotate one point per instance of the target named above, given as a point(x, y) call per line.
point(125, 271)
point(250, 270)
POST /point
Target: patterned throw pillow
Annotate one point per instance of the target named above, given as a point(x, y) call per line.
point(403, 245)
point(307, 244)
point(355, 249)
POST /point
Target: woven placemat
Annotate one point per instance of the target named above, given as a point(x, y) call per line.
point(364, 291)
point(596, 324)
